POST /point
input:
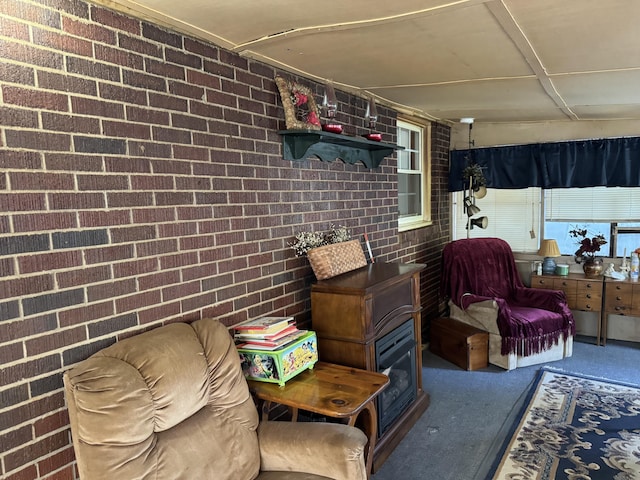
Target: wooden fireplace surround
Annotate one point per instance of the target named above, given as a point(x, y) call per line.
point(350, 312)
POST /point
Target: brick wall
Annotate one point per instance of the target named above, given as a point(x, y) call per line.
point(142, 182)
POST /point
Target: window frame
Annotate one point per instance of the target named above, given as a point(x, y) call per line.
point(617, 225)
point(610, 206)
point(424, 219)
point(613, 236)
point(616, 232)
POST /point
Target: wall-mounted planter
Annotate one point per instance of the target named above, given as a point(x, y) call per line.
point(327, 146)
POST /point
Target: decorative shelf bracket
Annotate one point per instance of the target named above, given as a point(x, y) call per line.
point(327, 146)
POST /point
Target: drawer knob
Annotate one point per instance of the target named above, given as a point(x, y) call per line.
point(618, 297)
point(618, 308)
point(588, 295)
point(618, 287)
point(588, 307)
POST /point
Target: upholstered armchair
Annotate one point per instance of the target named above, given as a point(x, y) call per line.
point(172, 403)
point(526, 326)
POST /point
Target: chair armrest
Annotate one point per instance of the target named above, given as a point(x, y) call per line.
point(470, 298)
point(481, 314)
point(500, 304)
point(330, 449)
point(546, 299)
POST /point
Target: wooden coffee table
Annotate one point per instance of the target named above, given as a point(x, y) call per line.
point(331, 390)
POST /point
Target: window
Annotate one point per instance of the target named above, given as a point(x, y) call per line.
point(626, 238)
point(568, 245)
point(622, 237)
point(512, 215)
point(414, 175)
point(610, 211)
point(518, 217)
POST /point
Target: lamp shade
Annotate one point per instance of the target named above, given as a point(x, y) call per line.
point(480, 192)
point(549, 248)
point(472, 210)
point(470, 207)
point(482, 222)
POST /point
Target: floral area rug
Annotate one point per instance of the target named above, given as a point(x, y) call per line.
point(576, 428)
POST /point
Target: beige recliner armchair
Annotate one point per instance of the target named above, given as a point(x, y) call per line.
point(172, 403)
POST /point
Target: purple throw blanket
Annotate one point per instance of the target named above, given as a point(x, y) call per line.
point(530, 320)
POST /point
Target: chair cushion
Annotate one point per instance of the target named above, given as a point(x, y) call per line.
point(535, 316)
point(290, 476)
point(482, 266)
point(170, 364)
point(170, 403)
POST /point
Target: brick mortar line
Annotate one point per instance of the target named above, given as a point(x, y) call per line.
point(158, 289)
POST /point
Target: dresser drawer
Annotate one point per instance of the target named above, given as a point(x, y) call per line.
point(589, 296)
point(635, 300)
point(538, 281)
point(619, 298)
point(569, 287)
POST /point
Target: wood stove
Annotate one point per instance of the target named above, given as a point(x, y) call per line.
point(369, 318)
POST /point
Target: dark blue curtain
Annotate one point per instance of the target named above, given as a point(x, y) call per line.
point(611, 162)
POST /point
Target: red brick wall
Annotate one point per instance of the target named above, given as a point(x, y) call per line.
point(141, 181)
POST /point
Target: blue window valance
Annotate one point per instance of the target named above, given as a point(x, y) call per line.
point(611, 162)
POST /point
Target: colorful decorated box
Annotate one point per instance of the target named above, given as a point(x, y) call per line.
point(278, 366)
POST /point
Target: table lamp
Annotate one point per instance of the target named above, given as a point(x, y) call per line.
point(548, 250)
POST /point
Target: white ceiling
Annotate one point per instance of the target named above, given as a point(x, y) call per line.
point(492, 60)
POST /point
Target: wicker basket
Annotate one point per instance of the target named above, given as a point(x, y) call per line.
point(336, 258)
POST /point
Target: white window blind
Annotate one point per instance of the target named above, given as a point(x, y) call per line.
point(512, 215)
point(595, 204)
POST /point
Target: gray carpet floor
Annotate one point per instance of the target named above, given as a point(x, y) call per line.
point(462, 431)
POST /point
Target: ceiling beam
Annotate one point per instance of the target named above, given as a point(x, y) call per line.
point(315, 29)
point(509, 25)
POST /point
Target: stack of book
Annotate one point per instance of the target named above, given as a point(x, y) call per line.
point(267, 333)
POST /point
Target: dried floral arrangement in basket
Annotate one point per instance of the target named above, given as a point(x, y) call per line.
point(330, 253)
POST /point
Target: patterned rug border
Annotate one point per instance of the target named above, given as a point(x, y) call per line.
point(533, 389)
point(583, 375)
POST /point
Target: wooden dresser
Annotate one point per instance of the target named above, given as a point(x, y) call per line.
point(621, 298)
point(354, 312)
point(582, 293)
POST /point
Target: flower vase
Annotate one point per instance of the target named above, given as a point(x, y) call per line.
point(593, 267)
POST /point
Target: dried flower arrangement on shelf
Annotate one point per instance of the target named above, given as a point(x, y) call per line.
point(305, 241)
point(588, 244)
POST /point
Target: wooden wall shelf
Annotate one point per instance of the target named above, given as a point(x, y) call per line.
point(327, 146)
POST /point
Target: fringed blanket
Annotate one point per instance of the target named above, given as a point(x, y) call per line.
point(529, 320)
